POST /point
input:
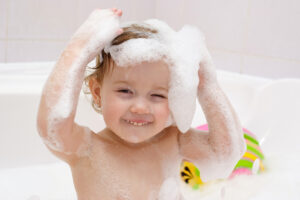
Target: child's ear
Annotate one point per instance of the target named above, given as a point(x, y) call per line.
point(95, 90)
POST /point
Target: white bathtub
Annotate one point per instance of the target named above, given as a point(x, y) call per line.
point(269, 108)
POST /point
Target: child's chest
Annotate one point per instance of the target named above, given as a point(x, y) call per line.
point(138, 173)
point(148, 164)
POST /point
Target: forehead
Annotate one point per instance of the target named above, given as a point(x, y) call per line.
point(145, 72)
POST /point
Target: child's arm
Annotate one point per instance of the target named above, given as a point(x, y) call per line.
point(215, 153)
point(60, 95)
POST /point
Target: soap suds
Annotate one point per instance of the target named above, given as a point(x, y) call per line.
point(170, 190)
point(229, 149)
point(280, 181)
point(99, 29)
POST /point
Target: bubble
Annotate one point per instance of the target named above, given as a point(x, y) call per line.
point(170, 190)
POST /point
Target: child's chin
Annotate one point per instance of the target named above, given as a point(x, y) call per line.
point(135, 140)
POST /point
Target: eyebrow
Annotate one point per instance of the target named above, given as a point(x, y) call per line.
point(157, 87)
point(116, 82)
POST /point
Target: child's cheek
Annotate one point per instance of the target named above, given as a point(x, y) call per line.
point(162, 113)
point(113, 108)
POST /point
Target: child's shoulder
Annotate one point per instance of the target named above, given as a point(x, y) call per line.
point(192, 134)
point(194, 144)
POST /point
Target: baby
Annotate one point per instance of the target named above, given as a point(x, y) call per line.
point(138, 155)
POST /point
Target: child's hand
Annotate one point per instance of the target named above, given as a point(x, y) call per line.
point(97, 31)
point(207, 73)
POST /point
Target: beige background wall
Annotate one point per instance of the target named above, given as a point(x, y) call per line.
point(256, 37)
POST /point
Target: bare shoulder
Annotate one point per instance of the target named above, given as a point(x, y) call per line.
point(168, 137)
point(194, 144)
point(192, 136)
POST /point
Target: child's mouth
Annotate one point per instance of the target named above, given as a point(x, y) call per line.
point(136, 123)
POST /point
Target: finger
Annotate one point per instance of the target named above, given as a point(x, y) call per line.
point(119, 12)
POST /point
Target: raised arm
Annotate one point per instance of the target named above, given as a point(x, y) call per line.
point(55, 121)
point(217, 152)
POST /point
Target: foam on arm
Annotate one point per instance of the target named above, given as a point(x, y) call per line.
point(61, 92)
point(225, 132)
point(59, 99)
point(215, 153)
point(225, 138)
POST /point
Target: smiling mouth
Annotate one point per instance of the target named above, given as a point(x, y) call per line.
point(136, 123)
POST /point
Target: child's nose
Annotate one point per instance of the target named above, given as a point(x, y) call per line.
point(140, 106)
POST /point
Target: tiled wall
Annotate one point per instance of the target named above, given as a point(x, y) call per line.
point(38, 30)
point(256, 37)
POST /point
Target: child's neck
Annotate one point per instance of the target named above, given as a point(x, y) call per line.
point(109, 135)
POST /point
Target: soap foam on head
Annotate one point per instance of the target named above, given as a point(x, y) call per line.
point(181, 50)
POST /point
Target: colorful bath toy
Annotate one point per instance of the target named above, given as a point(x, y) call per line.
point(250, 163)
point(190, 174)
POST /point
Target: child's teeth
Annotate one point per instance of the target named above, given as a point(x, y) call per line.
point(136, 124)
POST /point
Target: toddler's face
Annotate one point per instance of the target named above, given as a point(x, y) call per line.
point(134, 100)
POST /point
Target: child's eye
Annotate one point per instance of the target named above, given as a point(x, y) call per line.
point(158, 95)
point(124, 91)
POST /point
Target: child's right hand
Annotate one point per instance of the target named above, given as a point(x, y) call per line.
point(97, 31)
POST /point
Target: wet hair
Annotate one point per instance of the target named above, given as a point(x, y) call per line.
point(106, 65)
